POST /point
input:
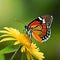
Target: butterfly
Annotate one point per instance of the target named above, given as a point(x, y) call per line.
point(39, 28)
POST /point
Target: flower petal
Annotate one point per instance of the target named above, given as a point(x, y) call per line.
point(11, 30)
point(35, 52)
point(17, 42)
point(4, 35)
point(6, 39)
point(23, 49)
point(3, 31)
point(28, 55)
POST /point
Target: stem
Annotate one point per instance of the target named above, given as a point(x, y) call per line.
point(14, 55)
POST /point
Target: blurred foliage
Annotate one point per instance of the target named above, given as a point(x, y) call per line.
point(18, 13)
point(2, 57)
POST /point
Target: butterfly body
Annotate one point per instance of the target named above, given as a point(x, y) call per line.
point(40, 28)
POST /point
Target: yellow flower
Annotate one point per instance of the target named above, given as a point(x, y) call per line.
point(27, 46)
point(34, 51)
point(13, 34)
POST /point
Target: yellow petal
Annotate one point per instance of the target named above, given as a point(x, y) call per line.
point(4, 35)
point(6, 39)
point(11, 30)
point(23, 49)
point(17, 42)
point(35, 52)
point(28, 56)
point(3, 31)
point(25, 40)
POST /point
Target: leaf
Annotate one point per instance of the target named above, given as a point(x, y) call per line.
point(23, 57)
point(2, 57)
point(9, 49)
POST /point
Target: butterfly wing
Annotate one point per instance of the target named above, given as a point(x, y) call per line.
point(37, 32)
point(40, 32)
point(41, 28)
point(48, 19)
point(35, 22)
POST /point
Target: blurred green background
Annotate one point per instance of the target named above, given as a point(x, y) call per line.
point(18, 13)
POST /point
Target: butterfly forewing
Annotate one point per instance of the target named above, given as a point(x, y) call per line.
point(35, 22)
point(48, 19)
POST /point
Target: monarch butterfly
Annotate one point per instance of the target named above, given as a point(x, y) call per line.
point(40, 28)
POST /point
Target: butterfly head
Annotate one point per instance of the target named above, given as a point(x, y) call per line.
point(28, 30)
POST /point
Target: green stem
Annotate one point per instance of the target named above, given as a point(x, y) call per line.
point(14, 55)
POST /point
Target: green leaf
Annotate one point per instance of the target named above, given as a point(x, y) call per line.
point(23, 57)
point(9, 49)
point(2, 57)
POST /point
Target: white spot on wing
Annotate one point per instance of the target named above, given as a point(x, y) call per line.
point(43, 20)
point(40, 18)
point(43, 38)
point(52, 17)
point(46, 39)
